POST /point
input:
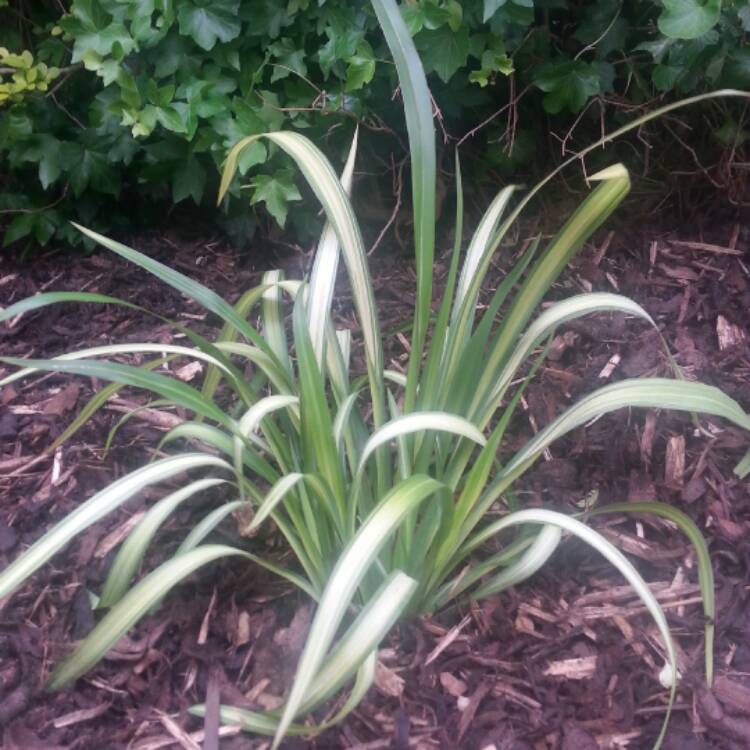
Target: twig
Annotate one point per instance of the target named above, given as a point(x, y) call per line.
point(399, 184)
point(471, 133)
point(603, 34)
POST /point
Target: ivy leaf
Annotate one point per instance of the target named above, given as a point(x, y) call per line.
point(209, 21)
point(656, 48)
point(491, 7)
point(265, 17)
point(22, 226)
point(434, 15)
point(361, 68)
point(664, 77)
point(444, 51)
point(492, 62)
point(255, 153)
point(289, 58)
point(189, 180)
point(94, 29)
point(276, 191)
point(688, 19)
point(413, 18)
point(41, 224)
point(744, 15)
point(737, 69)
point(602, 26)
point(91, 170)
point(170, 118)
point(44, 149)
point(567, 84)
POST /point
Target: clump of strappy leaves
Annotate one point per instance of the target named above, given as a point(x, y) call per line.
point(381, 481)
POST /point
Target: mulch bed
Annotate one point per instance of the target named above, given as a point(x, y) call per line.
point(569, 660)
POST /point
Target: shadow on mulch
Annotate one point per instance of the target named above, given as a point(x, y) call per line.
point(568, 661)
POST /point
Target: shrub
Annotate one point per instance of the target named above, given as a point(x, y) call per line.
point(143, 99)
point(380, 483)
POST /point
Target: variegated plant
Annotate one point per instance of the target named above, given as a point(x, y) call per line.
point(380, 482)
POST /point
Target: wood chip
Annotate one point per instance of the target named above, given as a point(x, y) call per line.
point(112, 539)
point(387, 681)
point(647, 438)
point(452, 685)
point(674, 465)
point(680, 273)
point(189, 371)
point(609, 368)
point(242, 633)
point(183, 738)
point(76, 717)
point(729, 334)
point(446, 640)
point(581, 668)
point(706, 247)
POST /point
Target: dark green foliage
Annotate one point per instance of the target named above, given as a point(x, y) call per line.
point(124, 98)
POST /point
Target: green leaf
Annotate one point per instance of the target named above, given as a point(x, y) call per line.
point(413, 17)
point(567, 84)
point(350, 569)
point(664, 77)
point(618, 560)
point(129, 556)
point(209, 21)
point(360, 68)
point(189, 180)
point(443, 50)
point(688, 19)
point(491, 7)
point(93, 172)
point(276, 191)
point(132, 607)
point(736, 70)
point(22, 226)
point(705, 571)
point(421, 130)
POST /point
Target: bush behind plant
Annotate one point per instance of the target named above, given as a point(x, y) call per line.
point(133, 100)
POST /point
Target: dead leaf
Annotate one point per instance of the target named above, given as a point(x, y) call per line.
point(64, 401)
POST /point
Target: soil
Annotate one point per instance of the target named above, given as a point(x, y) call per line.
point(567, 661)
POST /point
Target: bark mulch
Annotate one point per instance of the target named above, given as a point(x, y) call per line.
point(569, 660)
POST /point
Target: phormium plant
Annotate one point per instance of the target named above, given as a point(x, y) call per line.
point(380, 482)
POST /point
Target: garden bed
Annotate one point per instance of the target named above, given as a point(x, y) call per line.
point(569, 660)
